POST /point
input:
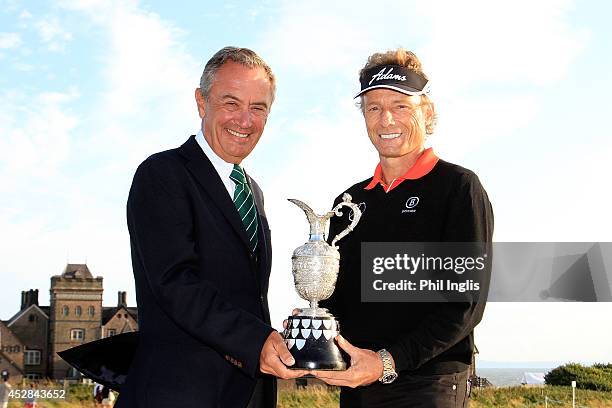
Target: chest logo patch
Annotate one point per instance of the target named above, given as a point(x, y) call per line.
point(410, 205)
point(362, 207)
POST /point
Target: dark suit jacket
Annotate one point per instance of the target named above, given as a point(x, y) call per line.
point(202, 295)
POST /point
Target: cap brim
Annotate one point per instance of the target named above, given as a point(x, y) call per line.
point(410, 91)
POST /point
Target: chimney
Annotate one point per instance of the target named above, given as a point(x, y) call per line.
point(121, 299)
point(29, 298)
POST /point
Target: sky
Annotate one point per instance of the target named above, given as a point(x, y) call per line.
point(90, 88)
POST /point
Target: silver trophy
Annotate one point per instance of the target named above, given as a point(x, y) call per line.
point(310, 334)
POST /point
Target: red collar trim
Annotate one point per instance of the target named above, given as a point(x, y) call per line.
point(424, 164)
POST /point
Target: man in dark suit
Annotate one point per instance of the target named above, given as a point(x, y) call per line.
point(201, 255)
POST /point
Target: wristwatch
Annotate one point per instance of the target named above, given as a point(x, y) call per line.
point(389, 375)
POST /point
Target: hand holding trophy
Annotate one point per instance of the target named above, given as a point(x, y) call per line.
point(310, 334)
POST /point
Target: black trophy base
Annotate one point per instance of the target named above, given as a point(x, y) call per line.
point(310, 340)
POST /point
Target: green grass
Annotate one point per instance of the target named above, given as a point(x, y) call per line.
point(534, 397)
point(512, 397)
point(313, 396)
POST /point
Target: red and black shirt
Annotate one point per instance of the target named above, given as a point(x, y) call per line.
point(435, 201)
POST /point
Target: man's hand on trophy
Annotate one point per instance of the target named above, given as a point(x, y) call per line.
point(295, 312)
point(275, 357)
point(366, 367)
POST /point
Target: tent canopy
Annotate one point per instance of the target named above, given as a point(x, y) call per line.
point(532, 378)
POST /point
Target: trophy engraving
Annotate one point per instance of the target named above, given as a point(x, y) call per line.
point(310, 334)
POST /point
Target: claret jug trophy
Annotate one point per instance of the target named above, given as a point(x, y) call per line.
point(310, 334)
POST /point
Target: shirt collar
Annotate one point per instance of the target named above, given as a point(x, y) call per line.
point(224, 169)
point(424, 164)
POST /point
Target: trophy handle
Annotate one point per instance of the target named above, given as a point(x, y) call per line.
point(346, 202)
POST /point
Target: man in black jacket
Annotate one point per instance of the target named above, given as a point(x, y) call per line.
point(405, 354)
point(201, 255)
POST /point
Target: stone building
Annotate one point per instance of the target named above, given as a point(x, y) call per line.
point(30, 339)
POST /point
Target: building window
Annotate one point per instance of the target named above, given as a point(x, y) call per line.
point(32, 357)
point(78, 310)
point(65, 311)
point(77, 334)
point(91, 310)
point(111, 332)
point(32, 318)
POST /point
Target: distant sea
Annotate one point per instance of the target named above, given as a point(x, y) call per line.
point(506, 377)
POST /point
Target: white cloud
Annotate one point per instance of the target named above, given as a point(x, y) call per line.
point(25, 14)
point(53, 34)
point(312, 42)
point(9, 40)
point(23, 67)
point(36, 136)
point(466, 123)
point(477, 43)
point(148, 62)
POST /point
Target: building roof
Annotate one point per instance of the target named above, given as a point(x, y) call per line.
point(43, 309)
point(109, 312)
point(77, 271)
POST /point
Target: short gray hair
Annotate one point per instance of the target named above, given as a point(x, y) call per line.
point(243, 56)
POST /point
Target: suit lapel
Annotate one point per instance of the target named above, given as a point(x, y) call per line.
point(202, 169)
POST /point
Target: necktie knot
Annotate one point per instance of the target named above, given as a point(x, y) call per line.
point(237, 175)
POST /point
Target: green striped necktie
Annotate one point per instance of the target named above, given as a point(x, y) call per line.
point(245, 204)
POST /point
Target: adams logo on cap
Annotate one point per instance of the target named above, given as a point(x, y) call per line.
point(388, 75)
point(396, 78)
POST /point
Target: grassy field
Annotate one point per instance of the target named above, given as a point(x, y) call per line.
point(512, 397)
point(320, 396)
point(516, 397)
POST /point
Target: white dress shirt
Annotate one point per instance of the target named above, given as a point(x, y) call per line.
point(224, 169)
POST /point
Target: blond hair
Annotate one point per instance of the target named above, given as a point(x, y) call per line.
point(404, 58)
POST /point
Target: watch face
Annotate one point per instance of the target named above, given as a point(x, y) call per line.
point(389, 378)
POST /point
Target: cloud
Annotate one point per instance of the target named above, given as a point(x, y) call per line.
point(477, 43)
point(36, 136)
point(53, 34)
point(9, 40)
point(313, 42)
point(25, 14)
